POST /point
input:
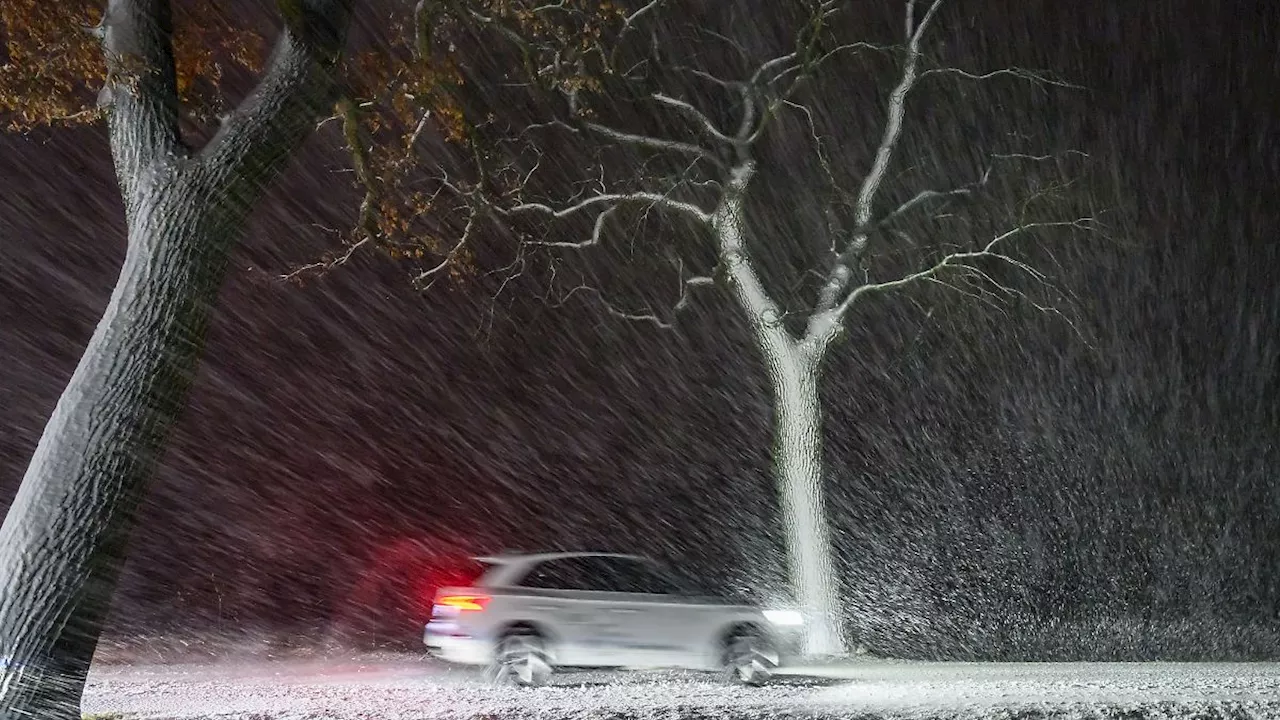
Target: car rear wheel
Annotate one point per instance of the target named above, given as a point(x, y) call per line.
point(749, 657)
point(521, 659)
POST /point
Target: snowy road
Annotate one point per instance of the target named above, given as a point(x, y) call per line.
point(405, 688)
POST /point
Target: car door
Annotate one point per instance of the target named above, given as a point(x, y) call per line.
point(661, 625)
point(566, 595)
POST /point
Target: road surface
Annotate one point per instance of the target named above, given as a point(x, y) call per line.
point(415, 688)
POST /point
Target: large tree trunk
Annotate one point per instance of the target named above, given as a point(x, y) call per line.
point(798, 453)
point(63, 539)
point(793, 369)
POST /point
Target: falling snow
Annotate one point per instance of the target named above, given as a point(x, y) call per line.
point(1003, 484)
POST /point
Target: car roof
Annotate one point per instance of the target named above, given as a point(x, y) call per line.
point(510, 568)
point(530, 558)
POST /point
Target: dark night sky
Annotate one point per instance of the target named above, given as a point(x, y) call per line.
point(333, 419)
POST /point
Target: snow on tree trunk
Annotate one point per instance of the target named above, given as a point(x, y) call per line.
point(64, 537)
point(798, 453)
point(793, 368)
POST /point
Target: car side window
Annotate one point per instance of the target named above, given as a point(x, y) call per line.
point(561, 574)
point(635, 576)
point(605, 575)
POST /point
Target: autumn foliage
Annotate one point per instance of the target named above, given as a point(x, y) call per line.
point(405, 88)
point(413, 94)
point(54, 66)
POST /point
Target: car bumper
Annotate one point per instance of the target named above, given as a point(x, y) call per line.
point(455, 648)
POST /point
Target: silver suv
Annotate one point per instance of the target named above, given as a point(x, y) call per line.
point(528, 614)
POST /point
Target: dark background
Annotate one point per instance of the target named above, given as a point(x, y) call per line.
point(1000, 488)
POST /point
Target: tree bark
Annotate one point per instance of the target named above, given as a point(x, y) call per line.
point(64, 537)
point(798, 452)
point(793, 369)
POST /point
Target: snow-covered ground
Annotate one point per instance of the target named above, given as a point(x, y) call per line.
point(409, 687)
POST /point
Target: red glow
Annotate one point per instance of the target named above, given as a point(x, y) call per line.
point(473, 603)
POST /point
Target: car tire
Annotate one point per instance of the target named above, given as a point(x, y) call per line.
point(749, 657)
point(520, 659)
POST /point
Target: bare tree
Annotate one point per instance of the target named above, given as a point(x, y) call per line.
point(63, 538)
point(701, 177)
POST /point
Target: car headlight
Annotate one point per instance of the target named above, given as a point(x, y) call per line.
point(784, 618)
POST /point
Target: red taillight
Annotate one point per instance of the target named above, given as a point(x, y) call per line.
point(473, 603)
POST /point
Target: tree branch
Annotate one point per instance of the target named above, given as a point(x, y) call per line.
point(627, 25)
point(808, 67)
point(649, 142)
point(358, 145)
point(958, 259)
point(759, 90)
point(698, 116)
point(729, 222)
point(597, 232)
point(366, 226)
point(425, 13)
point(652, 198)
point(298, 86)
point(832, 289)
point(925, 196)
point(803, 62)
point(141, 92)
point(818, 149)
point(779, 64)
point(686, 287)
point(323, 266)
point(841, 272)
point(852, 46)
point(1036, 77)
point(613, 310)
point(713, 79)
point(893, 124)
point(467, 232)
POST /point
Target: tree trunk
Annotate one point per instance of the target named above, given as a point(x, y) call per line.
point(63, 539)
point(798, 452)
point(793, 370)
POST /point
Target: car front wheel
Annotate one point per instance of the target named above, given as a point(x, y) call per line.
point(749, 657)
